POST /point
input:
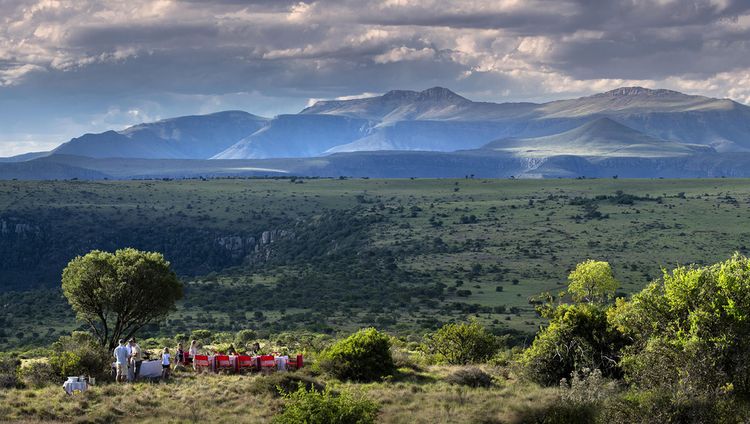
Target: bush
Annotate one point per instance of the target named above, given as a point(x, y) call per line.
point(8, 372)
point(36, 374)
point(203, 336)
point(79, 354)
point(222, 337)
point(577, 337)
point(283, 383)
point(691, 330)
point(243, 338)
point(461, 344)
point(472, 377)
point(661, 406)
point(316, 407)
point(363, 356)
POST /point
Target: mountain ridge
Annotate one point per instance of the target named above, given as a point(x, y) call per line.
point(649, 123)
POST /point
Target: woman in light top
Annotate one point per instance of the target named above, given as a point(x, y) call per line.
point(192, 350)
point(165, 364)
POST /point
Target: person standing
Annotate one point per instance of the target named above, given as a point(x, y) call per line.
point(121, 361)
point(193, 350)
point(136, 358)
point(165, 362)
point(179, 357)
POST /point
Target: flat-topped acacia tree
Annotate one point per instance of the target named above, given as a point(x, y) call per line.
point(117, 294)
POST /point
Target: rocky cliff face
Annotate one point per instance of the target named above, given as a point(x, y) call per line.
point(252, 248)
point(11, 226)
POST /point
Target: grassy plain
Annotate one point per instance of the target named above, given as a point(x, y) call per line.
point(490, 246)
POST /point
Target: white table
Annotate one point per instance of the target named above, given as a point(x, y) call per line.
point(150, 369)
point(71, 386)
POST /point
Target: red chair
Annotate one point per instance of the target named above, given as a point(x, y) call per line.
point(245, 362)
point(300, 362)
point(267, 363)
point(200, 362)
point(223, 363)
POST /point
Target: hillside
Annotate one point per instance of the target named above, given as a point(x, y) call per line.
point(186, 137)
point(602, 137)
point(402, 254)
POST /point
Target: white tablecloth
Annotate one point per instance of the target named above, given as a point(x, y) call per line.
point(150, 369)
point(72, 386)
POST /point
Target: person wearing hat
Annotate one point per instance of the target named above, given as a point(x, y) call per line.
point(136, 358)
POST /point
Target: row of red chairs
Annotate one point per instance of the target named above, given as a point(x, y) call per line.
point(243, 362)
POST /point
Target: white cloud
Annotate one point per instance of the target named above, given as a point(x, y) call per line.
point(403, 53)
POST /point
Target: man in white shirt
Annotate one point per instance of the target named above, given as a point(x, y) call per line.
point(136, 358)
point(121, 354)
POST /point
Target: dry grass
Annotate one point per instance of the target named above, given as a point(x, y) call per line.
point(411, 397)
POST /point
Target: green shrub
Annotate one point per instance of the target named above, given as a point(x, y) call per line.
point(280, 383)
point(691, 330)
point(36, 374)
point(461, 344)
point(471, 377)
point(203, 336)
point(222, 337)
point(559, 412)
point(662, 406)
point(316, 407)
point(243, 338)
point(8, 372)
point(363, 356)
point(79, 354)
point(577, 337)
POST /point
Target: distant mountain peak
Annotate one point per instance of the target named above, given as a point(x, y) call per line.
point(430, 94)
point(638, 91)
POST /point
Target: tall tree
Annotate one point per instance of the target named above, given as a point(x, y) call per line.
point(119, 293)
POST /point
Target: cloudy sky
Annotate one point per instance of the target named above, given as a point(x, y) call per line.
point(73, 66)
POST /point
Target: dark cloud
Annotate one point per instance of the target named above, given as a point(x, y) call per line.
point(67, 66)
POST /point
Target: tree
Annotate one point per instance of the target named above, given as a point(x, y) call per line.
point(117, 294)
point(690, 330)
point(464, 343)
point(592, 281)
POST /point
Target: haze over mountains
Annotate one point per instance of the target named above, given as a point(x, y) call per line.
point(434, 132)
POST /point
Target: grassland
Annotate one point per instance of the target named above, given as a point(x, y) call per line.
point(398, 254)
point(414, 396)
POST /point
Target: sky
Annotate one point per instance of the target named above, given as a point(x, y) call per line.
point(68, 67)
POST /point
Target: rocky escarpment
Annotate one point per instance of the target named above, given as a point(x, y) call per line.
point(252, 248)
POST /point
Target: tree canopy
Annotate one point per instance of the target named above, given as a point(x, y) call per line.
point(592, 281)
point(690, 329)
point(117, 294)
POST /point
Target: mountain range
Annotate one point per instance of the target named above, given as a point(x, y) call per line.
point(635, 131)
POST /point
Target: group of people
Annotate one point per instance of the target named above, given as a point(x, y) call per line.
point(129, 357)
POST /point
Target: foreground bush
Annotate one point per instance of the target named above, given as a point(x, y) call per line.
point(8, 372)
point(658, 407)
point(471, 377)
point(461, 344)
point(316, 407)
point(281, 383)
point(363, 356)
point(79, 354)
point(577, 337)
point(36, 374)
point(691, 330)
